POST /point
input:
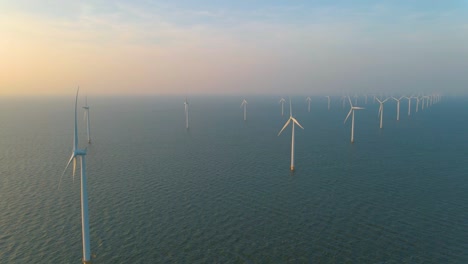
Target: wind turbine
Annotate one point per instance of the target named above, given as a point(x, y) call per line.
point(398, 107)
point(381, 110)
point(353, 108)
point(308, 101)
point(417, 103)
point(244, 103)
point(86, 108)
point(409, 104)
point(186, 113)
point(294, 121)
point(343, 100)
point(81, 153)
point(281, 101)
point(328, 101)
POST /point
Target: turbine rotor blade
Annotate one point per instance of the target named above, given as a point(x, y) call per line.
point(65, 170)
point(351, 110)
point(285, 125)
point(350, 103)
point(290, 107)
point(297, 122)
point(74, 169)
point(75, 133)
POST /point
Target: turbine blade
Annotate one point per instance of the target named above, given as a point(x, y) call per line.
point(290, 107)
point(297, 122)
point(75, 133)
point(65, 170)
point(380, 109)
point(74, 169)
point(351, 110)
point(350, 103)
point(358, 108)
point(285, 125)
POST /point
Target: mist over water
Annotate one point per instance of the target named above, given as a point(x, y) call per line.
point(222, 192)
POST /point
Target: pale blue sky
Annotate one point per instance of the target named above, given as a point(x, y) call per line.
point(234, 46)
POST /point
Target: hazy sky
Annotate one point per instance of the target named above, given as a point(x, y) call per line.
point(233, 47)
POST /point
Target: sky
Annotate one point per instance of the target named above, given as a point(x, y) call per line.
point(233, 47)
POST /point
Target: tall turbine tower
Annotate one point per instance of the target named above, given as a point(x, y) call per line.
point(281, 101)
point(294, 121)
point(381, 110)
point(244, 103)
point(308, 101)
point(351, 111)
point(86, 108)
point(186, 114)
point(328, 102)
point(81, 153)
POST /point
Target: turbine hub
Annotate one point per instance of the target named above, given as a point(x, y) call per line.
point(80, 152)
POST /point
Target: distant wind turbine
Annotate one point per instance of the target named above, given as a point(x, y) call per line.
point(343, 100)
point(244, 103)
point(417, 103)
point(281, 101)
point(294, 121)
point(86, 107)
point(186, 104)
point(398, 107)
point(409, 104)
point(351, 111)
point(381, 110)
point(308, 101)
point(81, 153)
point(328, 101)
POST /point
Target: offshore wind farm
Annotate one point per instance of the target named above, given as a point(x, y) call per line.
point(185, 140)
point(223, 191)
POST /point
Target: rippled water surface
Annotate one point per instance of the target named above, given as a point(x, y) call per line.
point(222, 191)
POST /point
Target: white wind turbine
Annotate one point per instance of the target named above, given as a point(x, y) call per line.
point(186, 113)
point(86, 108)
point(294, 121)
point(328, 101)
point(308, 101)
point(381, 110)
point(281, 101)
point(398, 107)
point(409, 104)
point(417, 103)
point(81, 153)
point(244, 103)
point(343, 100)
point(351, 111)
